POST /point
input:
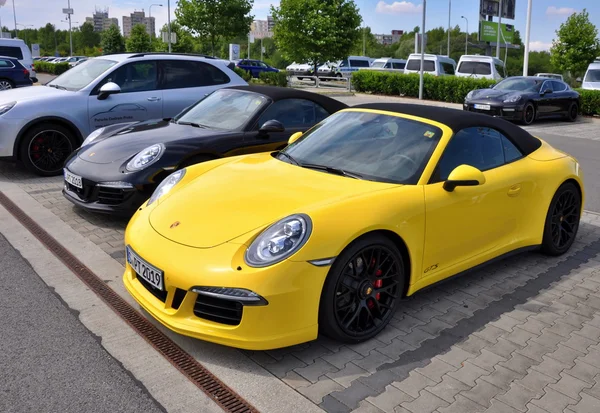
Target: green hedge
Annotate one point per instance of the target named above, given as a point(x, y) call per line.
point(274, 78)
point(53, 69)
point(590, 102)
point(244, 74)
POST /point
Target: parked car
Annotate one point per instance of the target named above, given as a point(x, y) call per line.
point(591, 80)
point(435, 65)
point(255, 67)
point(525, 99)
point(329, 235)
point(80, 61)
point(352, 64)
point(302, 70)
point(481, 67)
point(41, 126)
point(550, 75)
point(230, 121)
point(13, 74)
point(329, 69)
point(18, 49)
point(72, 61)
point(388, 64)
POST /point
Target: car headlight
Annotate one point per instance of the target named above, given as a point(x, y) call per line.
point(92, 136)
point(279, 241)
point(512, 99)
point(146, 157)
point(470, 94)
point(165, 186)
point(6, 107)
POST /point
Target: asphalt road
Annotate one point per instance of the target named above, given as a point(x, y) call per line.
point(49, 362)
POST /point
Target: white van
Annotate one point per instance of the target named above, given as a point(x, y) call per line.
point(481, 67)
point(353, 63)
point(18, 49)
point(388, 64)
point(434, 64)
point(591, 80)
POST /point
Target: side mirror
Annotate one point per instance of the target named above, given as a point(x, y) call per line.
point(294, 137)
point(108, 89)
point(578, 80)
point(272, 126)
point(464, 175)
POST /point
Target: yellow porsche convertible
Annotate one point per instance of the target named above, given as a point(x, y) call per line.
point(328, 235)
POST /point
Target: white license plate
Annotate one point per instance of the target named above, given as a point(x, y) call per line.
point(483, 107)
point(73, 179)
point(151, 274)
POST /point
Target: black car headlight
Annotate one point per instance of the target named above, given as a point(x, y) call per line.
point(146, 157)
point(512, 99)
point(279, 241)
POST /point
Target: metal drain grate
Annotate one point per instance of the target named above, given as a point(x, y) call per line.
point(185, 363)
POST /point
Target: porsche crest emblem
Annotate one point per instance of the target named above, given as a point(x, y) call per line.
point(175, 224)
point(92, 154)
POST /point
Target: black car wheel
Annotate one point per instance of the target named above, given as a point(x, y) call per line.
point(528, 114)
point(362, 290)
point(46, 147)
point(6, 84)
point(562, 220)
point(573, 112)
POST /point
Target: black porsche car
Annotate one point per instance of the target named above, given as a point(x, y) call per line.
point(118, 167)
point(525, 99)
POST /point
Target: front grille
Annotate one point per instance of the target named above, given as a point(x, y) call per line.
point(491, 112)
point(83, 193)
point(110, 196)
point(161, 295)
point(218, 310)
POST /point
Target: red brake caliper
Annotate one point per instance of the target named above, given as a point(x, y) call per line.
point(36, 147)
point(376, 284)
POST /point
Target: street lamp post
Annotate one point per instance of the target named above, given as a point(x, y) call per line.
point(25, 26)
point(466, 36)
point(169, 22)
point(150, 16)
point(422, 51)
point(527, 33)
point(499, 29)
point(70, 32)
point(449, 12)
point(15, 16)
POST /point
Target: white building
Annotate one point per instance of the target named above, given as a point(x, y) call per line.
point(101, 21)
point(138, 17)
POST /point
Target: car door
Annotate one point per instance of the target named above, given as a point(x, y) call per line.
point(561, 96)
point(547, 103)
point(296, 115)
point(139, 99)
point(474, 223)
point(185, 82)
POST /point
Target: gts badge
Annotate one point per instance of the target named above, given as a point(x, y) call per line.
point(432, 268)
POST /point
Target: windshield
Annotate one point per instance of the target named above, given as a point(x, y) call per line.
point(520, 84)
point(225, 109)
point(592, 75)
point(475, 68)
point(82, 75)
point(415, 64)
point(376, 147)
point(379, 64)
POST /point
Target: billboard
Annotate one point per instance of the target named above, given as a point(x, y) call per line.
point(488, 32)
point(491, 7)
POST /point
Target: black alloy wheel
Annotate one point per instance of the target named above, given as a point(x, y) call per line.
point(45, 149)
point(562, 221)
point(528, 114)
point(362, 290)
point(573, 112)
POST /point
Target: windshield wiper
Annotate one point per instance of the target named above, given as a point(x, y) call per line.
point(332, 170)
point(292, 160)
point(195, 125)
point(58, 87)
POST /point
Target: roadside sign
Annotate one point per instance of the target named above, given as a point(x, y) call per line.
point(491, 8)
point(67, 11)
point(234, 51)
point(165, 37)
point(488, 32)
point(251, 38)
point(35, 50)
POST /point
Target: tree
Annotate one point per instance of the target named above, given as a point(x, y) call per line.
point(213, 20)
point(112, 41)
point(87, 37)
point(139, 41)
point(185, 41)
point(576, 44)
point(316, 30)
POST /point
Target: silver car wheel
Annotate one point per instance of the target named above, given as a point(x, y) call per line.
point(5, 85)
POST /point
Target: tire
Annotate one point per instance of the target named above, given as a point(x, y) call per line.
point(352, 298)
point(562, 220)
point(528, 114)
point(6, 84)
point(45, 148)
point(573, 112)
point(195, 160)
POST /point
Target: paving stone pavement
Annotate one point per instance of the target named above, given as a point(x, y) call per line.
point(520, 335)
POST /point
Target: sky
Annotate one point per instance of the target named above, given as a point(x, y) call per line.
point(381, 15)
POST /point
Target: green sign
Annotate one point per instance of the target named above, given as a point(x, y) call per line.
point(488, 32)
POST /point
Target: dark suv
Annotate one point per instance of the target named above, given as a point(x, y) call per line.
point(13, 74)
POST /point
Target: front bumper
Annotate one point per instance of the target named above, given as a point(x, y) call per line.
point(505, 112)
point(291, 289)
point(300, 73)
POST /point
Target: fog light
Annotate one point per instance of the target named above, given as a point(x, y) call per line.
point(242, 295)
point(116, 184)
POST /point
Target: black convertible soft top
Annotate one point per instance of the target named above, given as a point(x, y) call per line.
point(458, 119)
point(279, 93)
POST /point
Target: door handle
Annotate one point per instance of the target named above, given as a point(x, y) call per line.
point(153, 99)
point(514, 190)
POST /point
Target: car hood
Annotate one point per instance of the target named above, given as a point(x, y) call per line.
point(591, 85)
point(29, 93)
point(245, 194)
point(493, 94)
point(127, 142)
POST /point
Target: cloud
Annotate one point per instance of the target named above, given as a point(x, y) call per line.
point(398, 7)
point(538, 46)
point(560, 11)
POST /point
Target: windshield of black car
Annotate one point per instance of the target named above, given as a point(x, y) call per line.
point(475, 68)
point(592, 75)
point(520, 85)
point(225, 109)
point(378, 147)
point(82, 75)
